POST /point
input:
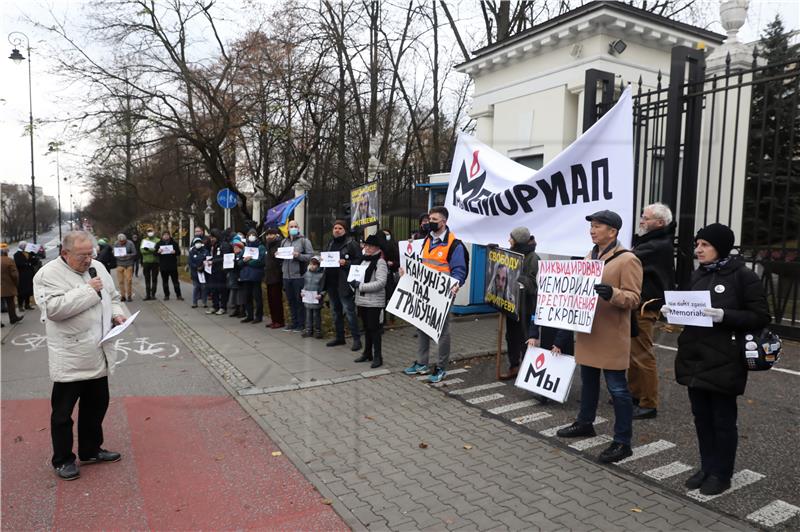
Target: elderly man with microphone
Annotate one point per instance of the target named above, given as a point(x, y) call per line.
point(79, 305)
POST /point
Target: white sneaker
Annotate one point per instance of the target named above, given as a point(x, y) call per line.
point(210, 311)
point(220, 312)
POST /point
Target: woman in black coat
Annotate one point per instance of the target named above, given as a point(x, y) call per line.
point(710, 361)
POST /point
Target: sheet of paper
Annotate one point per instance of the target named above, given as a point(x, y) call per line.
point(207, 267)
point(120, 252)
point(227, 261)
point(330, 259)
point(309, 296)
point(285, 253)
point(357, 273)
point(147, 244)
point(32, 248)
point(201, 277)
point(166, 250)
point(119, 329)
point(251, 252)
point(686, 307)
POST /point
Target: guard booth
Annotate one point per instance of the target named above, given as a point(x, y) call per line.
point(470, 298)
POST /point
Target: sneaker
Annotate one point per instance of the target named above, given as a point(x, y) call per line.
point(210, 311)
point(437, 376)
point(577, 430)
point(416, 369)
point(644, 413)
point(696, 480)
point(68, 471)
point(179, 297)
point(288, 328)
point(103, 456)
point(194, 306)
point(246, 320)
point(335, 342)
point(615, 452)
point(714, 485)
point(220, 312)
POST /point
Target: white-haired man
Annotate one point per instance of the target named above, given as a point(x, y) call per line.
point(79, 305)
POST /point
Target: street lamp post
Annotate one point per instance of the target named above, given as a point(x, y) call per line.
point(16, 40)
point(56, 147)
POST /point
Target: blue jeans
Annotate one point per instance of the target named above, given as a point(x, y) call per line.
point(198, 292)
point(618, 388)
point(344, 305)
point(292, 287)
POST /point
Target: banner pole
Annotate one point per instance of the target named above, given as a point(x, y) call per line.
point(500, 324)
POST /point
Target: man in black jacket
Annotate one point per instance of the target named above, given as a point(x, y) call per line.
point(653, 244)
point(339, 291)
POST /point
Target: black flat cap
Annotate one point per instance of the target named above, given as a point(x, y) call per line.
point(609, 218)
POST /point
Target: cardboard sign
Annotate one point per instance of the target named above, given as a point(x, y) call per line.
point(120, 252)
point(357, 272)
point(285, 253)
point(409, 250)
point(166, 249)
point(566, 298)
point(503, 268)
point(365, 205)
point(251, 252)
point(309, 296)
point(330, 259)
point(686, 308)
point(423, 299)
point(31, 248)
point(148, 244)
point(227, 261)
point(207, 267)
point(546, 374)
point(201, 277)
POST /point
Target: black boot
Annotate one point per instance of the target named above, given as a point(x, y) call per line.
point(377, 358)
point(367, 354)
point(356, 343)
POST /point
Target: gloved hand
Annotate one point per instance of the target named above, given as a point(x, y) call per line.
point(604, 290)
point(716, 314)
point(665, 310)
point(355, 285)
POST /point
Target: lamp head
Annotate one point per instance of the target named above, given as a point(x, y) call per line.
point(16, 56)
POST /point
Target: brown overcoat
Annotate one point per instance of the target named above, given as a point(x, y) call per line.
point(609, 344)
point(9, 276)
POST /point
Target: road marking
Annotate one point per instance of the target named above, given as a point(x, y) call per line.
point(667, 471)
point(453, 372)
point(485, 398)
point(552, 431)
point(588, 443)
point(647, 450)
point(743, 478)
point(449, 382)
point(530, 418)
point(774, 513)
point(789, 371)
point(479, 388)
point(513, 406)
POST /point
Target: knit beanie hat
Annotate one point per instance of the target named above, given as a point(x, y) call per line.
point(718, 235)
point(520, 235)
point(341, 222)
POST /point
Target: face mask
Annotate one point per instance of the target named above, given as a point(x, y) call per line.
point(294, 231)
point(198, 245)
point(388, 237)
point(432, 227)
point(251, 238)
point(199, 235)
point(150, 233)
point(313, 268)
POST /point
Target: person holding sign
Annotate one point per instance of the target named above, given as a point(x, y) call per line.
point(149, 264)
point(443, 252)
point(339, 291)
point(251, 275)
point(293, 271)
point(28, 263)
point(168, 251)
point(197, 257)
point(709, 363)
point(125, 266)
point(273, 278)
point(371, 299)
point(217, 279)
point(607, 348)
point(312, 285)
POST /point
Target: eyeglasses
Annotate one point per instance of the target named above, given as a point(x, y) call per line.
point(81, 256)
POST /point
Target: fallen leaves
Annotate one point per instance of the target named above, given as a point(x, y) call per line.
point(637, 510)
point(147, 418)
point(467, 446)
point(423, 445)
point(18, 439)
point(219, 458)
point(327, 501)
point(277, 453)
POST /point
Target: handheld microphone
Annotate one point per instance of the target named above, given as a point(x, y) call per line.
point(93, 274)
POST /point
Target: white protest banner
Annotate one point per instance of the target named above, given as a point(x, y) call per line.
point(207, 266)
point(357, 272)
point(488, 193)
point(251, 252)
point(330, 259)
point(409, 250)
point(566, 297)
point(148, 244)
point(309, 296)
point(423, 299)
point(120, 252)
point(227, 261)
point(166, 249)
point(546, 374)
point(201, 277)
point(686, 308)
point(285, 253)
point(32, 248)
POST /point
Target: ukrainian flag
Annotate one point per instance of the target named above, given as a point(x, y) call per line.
point(279, 214)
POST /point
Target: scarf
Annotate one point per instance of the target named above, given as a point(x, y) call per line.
point(596, 250)
point(373, 265)
point(717, 265)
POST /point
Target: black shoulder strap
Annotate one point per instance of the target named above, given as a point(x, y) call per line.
point(617, 254)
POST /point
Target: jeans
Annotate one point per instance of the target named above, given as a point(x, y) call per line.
point(717, 436)
point(618, 388)
point(198, 292)
point(292, 287)
point(313, 320)
point(252, 294)
point(424, 342)
point(343, 304)
point(150, 278)
point(93, 395)
point(176, 284)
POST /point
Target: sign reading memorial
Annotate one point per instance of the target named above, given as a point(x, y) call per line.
point(686, 307)
point(546, 374)
point(503, 269)
point(365, 205)
point(423, 299)
point(566, 297)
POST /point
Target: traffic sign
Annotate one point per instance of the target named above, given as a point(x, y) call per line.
point(226, 198)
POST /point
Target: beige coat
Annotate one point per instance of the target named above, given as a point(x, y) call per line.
point(75, 319)
point(609, 344)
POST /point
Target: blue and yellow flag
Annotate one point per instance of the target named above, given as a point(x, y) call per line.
point(279, 214)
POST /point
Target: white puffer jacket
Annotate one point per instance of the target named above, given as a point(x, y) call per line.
point(76, 319)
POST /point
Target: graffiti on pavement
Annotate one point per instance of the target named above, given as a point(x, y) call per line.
point(30, 341)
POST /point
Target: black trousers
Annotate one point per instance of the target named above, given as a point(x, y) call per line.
point(516, 337)
point(11, 308)
point(93, 396)
point(150, 278)
point(717, 436)
point(252, 293)
point(176, 284)
point(371, 319)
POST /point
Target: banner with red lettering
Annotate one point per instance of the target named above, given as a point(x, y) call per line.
point(489, 194)
point(546, 374)
point(566, 297)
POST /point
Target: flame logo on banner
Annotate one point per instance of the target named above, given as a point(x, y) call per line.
point(409, 248)
point(476, 167)
point(539, 362)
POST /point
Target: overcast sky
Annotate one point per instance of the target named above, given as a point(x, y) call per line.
point(47, 89)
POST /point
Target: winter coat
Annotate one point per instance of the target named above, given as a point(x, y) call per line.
point(105, 255)
point(148, 254)
point(527, 277)
point(219, 276)
point(608, 346)
point(657, 255)
point(273, 267)
point(27, 265)
point(9, 277)
point(253, 269)
point(313, 282)
point(295, 268)
point(130, 254)
point(350, 251)
point(76, 318)
point(371, 292)
point(168, 262)
point(712, 358)
point(197, 258)
point(233, 274)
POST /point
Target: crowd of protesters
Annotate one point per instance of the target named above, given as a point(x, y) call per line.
point(16, 278)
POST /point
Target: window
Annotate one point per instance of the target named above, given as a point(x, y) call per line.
point(534, 162)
